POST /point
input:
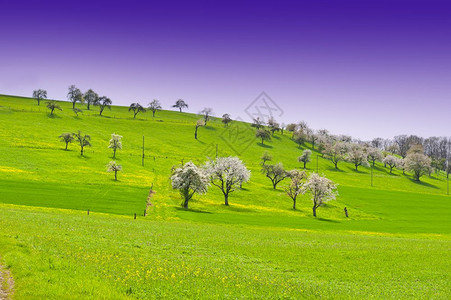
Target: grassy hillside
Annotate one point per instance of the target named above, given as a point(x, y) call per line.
point(397, 229)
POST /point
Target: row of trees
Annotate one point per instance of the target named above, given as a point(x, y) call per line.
point(409, 153)
point(229, 173)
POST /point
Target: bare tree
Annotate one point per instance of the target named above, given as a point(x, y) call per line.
point(154, 106)
point(67, 138)
point(83, 140)
point(180, 104)
point(52, 105)
point(257, 123)
point(39, 95)
point(228, 174)
point(77, 111)
point(136, 108)
point(206, 114)
point(103, 102)
point(91, 98)
point(74, 95)
point(226, 119)
point(276, 173)
point(273, 125)
point(336, 152)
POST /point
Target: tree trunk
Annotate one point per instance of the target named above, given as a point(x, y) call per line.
point(274, 184)
point(180, 109)
point(314, 211)
point(195, 133)
point(115, 175)
point(262, 141)
point(305, 164)
point(51, 112)
point(66, 145)
point(89, 105)
point(114, 153)
point(81, 151)
point(294, 204)
point(356, 167)
point(73, 105)
point(226, 199)
point(134, 117)
point(336, 165)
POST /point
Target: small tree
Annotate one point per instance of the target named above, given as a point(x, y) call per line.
point(83, 140)
point(266, 157)
point(276, 173)
point(357, 156)
point(137, 108)
point(52, 105)
point(199, 123)
point(320, 189)
point(391, 161)
point(77, 111)
point(91, 98)
point(115, 143)
point(154, 106)
point(299, 137)
point(257, 123)
point(273, 125)
point(374, 154)
point(305, 157)
point(206, 113)
point(74, 95)
point(417, 163)
point(39, 95)
point(66, 138)
point(189, 179)
point(103, 102)
point(180, 104)
point(296, 186)
point(336, 152)
point(263, 134)
point(226, 119)
point(228, 174)
point(112, 166)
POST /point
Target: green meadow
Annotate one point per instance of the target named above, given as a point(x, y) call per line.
point(396, 242)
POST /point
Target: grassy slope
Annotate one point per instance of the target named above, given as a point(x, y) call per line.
point(35, 171)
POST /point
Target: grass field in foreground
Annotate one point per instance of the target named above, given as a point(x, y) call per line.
point(396, 243)
point(72, 255)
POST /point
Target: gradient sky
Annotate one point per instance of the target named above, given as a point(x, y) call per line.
point(363, 68)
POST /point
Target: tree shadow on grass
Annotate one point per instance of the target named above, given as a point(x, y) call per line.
point(53, 116)
point(193, 210)
point(264, 145)
point(210, 128)
point(275, 137)
point(327, 220)
point(334, 170)
point(238, 209)
point(423, 183)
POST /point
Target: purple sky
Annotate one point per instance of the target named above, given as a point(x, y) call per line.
point(363, 68)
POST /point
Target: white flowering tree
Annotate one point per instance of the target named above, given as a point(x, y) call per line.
point(112, 166)
point(296, 186)
point(228, 174)
point(189, 179)
point(305, 157)
point(374, 154)
point(115, 143)
point(417, 163)
point(357, 156)
point(320, 189)
point(335, 152)
point(391, 161)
